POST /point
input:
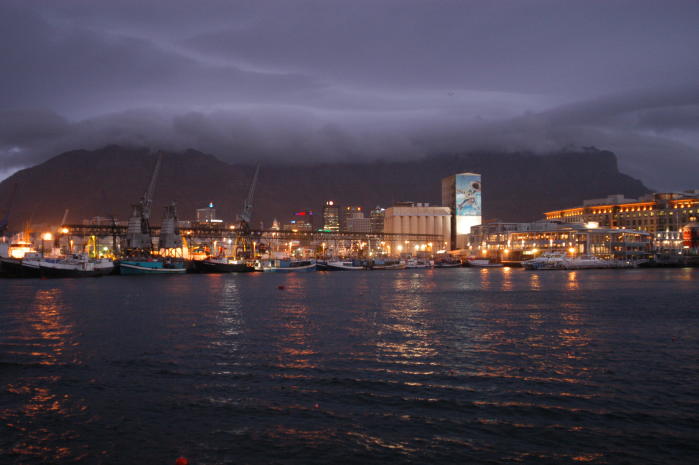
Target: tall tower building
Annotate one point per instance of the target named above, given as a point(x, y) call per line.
point(355, 221)
point(377, 216)
point(331, 216)
point(462, 194)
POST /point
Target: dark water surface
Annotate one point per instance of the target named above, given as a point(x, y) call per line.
point(428, 366)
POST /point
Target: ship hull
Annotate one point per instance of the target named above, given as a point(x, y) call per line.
point(144, 268)
point(13, 268)
point(68, 273)
point(291, 269)
point(206, 266)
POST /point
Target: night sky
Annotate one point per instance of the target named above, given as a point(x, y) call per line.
point(350, 80)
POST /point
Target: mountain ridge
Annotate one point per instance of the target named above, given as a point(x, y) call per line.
point(103, 182)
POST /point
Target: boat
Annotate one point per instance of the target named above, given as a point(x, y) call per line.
point(341, 265)
point(222, 265)
point(447, 262)
point(145, 266)
point(561, 261)
point(11, 260)
point(418, 263)
point(287, 266)
point(74, 266)
point(381, 264)
point(25, 267)
point(483, 263)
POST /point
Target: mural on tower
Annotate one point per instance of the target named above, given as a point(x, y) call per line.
point(468, 195)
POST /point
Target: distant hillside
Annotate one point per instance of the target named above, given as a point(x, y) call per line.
point(516, 187)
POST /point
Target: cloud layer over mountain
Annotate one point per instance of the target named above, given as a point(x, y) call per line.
point(317, 80)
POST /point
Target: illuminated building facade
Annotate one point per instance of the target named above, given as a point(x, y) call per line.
point(331, 216)
point(377, 216)
point(514, 242)
point(662, 214)
point(462, 194)
point(419, 218)
point(207, 215)
point(302, 221)
point(355, 221)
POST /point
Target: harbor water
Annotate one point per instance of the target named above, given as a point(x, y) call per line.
point(415, 366)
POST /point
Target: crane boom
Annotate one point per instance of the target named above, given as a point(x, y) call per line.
point(246, 216)
point(148, 196)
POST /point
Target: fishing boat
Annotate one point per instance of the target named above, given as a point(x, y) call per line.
point(288, 266)
point(483, 263)
point(418, 263)
point(222, 265)
point(145, 266)
point(447, 262)
point(75, 266)
point(25, 267)
point(381, 264)
point(341, 265)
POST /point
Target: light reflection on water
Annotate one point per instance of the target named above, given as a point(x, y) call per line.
point(440, 366)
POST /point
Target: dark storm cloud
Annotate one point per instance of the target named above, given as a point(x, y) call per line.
point(316, 80)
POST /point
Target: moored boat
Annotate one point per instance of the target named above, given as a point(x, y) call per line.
point(561, 261)
point(75, 266)
point(222, 265)
point(138, 267)
point(288, 266)
point(382, 264)
point(19, 268)
point(418, 263)
point(341, 265)
point(483, 263)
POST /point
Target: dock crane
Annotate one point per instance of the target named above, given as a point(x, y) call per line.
point(138, 237)
point(243, 241)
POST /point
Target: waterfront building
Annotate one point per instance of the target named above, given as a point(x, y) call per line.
point(461, 193)
point(377, 216)
point(661, 214)
point(331, 216)
point(653, 213)
point(514, 242)
point(418, 218)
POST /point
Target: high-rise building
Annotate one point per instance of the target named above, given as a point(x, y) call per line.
point(302, 221)
point(207, 214)
point(331, 216)
point(351, 212)
point(377, 216)
point(462, 194)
